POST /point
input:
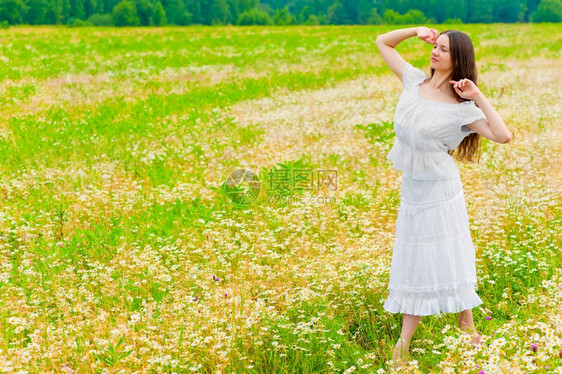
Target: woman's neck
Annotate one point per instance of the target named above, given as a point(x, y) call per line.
point(440, 81)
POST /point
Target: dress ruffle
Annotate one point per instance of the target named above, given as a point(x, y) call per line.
point(453, 299)
point(420, 164)
point(470, 113)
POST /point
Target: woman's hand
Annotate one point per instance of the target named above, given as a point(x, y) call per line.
point(466, 89)
point(427, 35)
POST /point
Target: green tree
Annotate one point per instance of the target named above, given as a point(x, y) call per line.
point(506, 10)
point(177, 13)
point(365, 8)
point(375, 18)
point(36, 12)
point(73, 22)
point(159, 15)
point(77, 9)
point(481, 11)
point(414, 16)
point(220, 12)
point(453, 21)
point(438, 9)
point(12, 11)
point(192, 7)
point(337, 15)
point(312, 20)
point(304, 14)
point(351, 11)
point(90, 7)
point(391, 17)
point(523, 13)
point(54, 12)
point(530, 7)
point(284, 17)
point(548, 11)
point(101, 19)
point(125, 14)
point(145, 10)
point(254, 17)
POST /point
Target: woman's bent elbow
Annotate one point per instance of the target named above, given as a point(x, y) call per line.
point(506, 139)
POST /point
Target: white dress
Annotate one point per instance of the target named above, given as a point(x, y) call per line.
point(433, 266)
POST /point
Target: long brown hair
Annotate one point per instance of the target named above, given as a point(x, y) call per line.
point(464, 66)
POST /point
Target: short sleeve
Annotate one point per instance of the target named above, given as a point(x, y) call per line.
point(468, 114)
point(411, 75)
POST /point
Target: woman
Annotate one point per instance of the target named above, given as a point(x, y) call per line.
point(433, 263)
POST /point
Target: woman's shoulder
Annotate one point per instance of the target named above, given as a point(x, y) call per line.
point(412, 75)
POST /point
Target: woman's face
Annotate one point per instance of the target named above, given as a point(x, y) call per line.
point(441, 55)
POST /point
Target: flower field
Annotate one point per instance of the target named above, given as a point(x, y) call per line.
point(124, 247)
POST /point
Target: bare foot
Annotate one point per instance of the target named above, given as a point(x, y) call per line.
point(398, 355)
point(476, 339)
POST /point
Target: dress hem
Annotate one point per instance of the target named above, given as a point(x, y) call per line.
point(453, 300)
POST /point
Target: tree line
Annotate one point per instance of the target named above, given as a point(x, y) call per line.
point(273, 12)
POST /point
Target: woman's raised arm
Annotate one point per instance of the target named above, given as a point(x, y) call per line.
point(387, 42)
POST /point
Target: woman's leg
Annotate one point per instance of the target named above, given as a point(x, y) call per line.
point(403, 345)
point(466, 323)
